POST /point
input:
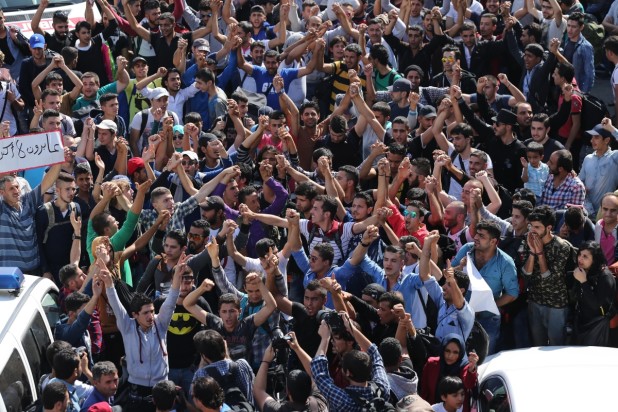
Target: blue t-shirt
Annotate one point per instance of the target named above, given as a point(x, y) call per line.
point(267, 32)
point(263, 82)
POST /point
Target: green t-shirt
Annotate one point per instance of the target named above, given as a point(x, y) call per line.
point(383, 82)
point(82, 102)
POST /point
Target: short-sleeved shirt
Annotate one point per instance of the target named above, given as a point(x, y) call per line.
point(82, 102)
point(238, 341)
point(576, 108)
point(136, 124)
point(264, 81)
point(18, 231)
point(319, 237)
point(306, 329)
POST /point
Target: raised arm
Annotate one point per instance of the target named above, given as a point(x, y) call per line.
point(36, 19)
point(141, 31)
point(190, 302)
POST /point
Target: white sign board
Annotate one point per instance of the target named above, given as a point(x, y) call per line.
point(30, 151)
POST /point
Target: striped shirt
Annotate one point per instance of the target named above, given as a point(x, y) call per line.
point(341, 81)
point(18, 232)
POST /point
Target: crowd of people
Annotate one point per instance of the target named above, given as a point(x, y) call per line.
point(309, 205)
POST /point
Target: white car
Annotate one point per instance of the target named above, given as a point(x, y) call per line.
point(549, 379)
point(26, 323)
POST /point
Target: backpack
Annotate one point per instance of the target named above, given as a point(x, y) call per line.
point(375, 404)
point(593, 111)
point(478, 341)
point(234, 397)
point(51, 218)
point(142, 126)
point(594, 32)
point(333, 235)
point(431, 310)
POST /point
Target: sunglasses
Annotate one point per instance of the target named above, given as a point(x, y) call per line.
point(73, 148)
point(202, 15)
point(178, 137)
point(194, 236)
point(187, 279)
point(410, 213)
point(448, 59)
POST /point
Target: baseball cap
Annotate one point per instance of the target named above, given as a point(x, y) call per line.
point(108, 125)
point(427, 112)
point(400, 85)
point(374, 290)
point(213, 203)
point(598, 130)
point(37, 41)
point(201, 44)
point(134, 164)
point(137, 60)
point(191, 154)
point(535, 49)
point(265, 111)
point(505, 116)
point(100, 407)
point(159, 92)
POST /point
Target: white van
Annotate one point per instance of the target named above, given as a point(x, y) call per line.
point(19, 13)
point(26, 322)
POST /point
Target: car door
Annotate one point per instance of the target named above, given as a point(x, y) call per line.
point(494, 395)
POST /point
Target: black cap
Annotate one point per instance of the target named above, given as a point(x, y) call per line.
point(213, 203)
point(138, 59)
point(505, 116)
point(374, 290)
point(535, 49)
point(427, 111)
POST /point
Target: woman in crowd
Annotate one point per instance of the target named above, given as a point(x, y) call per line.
point(595, 293)
point(451, 362)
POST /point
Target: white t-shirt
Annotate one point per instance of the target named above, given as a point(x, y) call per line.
point(254, 265)
point(229, 268)
point(439, 407)
point(8, 114)
point(475, 7)
point(136, 124)
point(345, 238)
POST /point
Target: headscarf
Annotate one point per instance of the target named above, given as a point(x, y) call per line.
point(456, 368)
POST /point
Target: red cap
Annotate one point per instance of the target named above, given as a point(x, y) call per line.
point(100, 407)
point(134, 164)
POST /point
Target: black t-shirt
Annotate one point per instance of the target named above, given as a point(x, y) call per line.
point(165, 52)
point(306, 329)
point(344, 153)
point(55, 44)
point(180, 333)
point(239, 341)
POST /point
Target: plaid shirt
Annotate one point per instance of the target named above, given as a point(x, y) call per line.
point(244, 379)
point(148, 216)
point(571, 191)
point(338, 399)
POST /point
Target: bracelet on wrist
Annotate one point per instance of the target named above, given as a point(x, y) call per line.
point(365, 244)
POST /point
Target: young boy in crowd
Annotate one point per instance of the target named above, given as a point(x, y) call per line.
point(535, 172)
point(452, 393)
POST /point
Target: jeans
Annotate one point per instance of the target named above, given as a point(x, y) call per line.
point(491, 323)
point(183, 378)
point(547, 325)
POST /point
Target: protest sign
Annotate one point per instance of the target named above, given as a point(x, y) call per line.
point(30, 151)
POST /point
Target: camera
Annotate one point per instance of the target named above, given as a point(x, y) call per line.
point(332, 319)
point(281, 342)
point(80, 351)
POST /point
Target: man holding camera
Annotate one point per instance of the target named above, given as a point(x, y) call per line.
point(364, 369)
